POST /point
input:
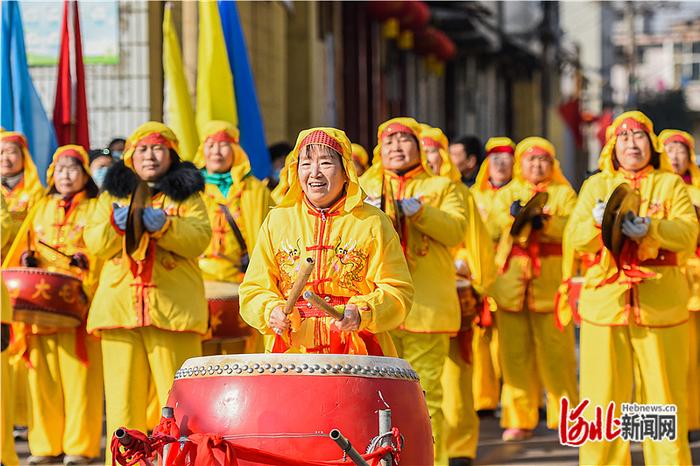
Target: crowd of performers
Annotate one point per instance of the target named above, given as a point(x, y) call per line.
point(394, 275)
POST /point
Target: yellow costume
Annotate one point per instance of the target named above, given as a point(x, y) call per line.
point(426, 238)
point(692, 272)
point(8, 454)
point(248, 202)
point(632, 327)
point(68, 417)
point(358, 260)
point(524, 292)
point(283, 186)
point(487, 369)
point(149, 308)
point(20, 200)
point(461, 429)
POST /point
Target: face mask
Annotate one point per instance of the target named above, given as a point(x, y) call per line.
point(276, 174)
point(117, 154)
point(99, 176)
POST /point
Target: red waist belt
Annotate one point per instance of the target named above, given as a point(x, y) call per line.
point(543, 250)
point(306, 309)
point(667, 258)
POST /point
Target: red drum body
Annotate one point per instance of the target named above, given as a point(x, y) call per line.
point(47, 299)
point(467, 302)
point(289, 403)
point(224, 312)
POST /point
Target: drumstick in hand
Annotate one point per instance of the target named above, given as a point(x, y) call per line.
point(320, 304)
point(304, 273)
point(56, 250)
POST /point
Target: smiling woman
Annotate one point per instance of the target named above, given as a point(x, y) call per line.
point(321, 175)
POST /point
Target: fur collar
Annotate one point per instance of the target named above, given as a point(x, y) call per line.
point(182, 180)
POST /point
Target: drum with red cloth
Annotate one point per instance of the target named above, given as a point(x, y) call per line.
point(467, 302)
point(44, 298)
point(224, 312)
point(289, 403)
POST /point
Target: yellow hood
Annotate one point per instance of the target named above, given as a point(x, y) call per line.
point(151, 132)
point(676, 135)
point(69, 150)
point(360, 154)
point(335, 139)
point(31, 174)
point(529, 144)
point(502, 144)
point(434, 137)
point(605, 162)
point(223, 130)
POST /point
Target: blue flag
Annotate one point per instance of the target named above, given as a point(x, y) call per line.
point(20, 105)
point(249, 119)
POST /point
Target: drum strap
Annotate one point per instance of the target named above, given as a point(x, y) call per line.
point(245, 257)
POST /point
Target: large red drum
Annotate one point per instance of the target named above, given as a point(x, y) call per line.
point(48, 299)
point(224, 311)
point(289, 403)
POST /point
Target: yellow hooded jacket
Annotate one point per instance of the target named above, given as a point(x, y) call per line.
point(426, 237)
point(692, 266)
point(358, 258)
point(22, 197)
point(5, 223)
point(248, 200)
point(614, 297)
point(165, 288)
point(483, 191)
point(475, 250)
point(531, 265)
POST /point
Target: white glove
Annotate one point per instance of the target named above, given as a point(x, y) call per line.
point(598, 211)
point(462, 268)
point(410, 206)
point(375, 202)
point(636, 227)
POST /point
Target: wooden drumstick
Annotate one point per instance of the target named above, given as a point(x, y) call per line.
point(299, 284)
point(320, 304)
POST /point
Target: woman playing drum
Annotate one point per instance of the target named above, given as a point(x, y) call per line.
point(65, 365)
point(237, 204)
point(358, 264)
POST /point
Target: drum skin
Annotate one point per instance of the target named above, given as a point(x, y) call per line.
point(44, 298)
point(289, 403)
point(224, 312)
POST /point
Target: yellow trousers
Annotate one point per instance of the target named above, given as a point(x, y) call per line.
point(8, 454)
point(694, 372)
point(610, 356)
point(135, 358)
point(461, 427)
point(426, 352)
point(486, 382)
point(65, 415)
point(249, 345)
point(18, 369)
point(534, 353)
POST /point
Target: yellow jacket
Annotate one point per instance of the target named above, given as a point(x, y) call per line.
point(610, 296)
point(518, 259)
point(248, 200)
point(5, 223)
point(426, 237)
point(22, 197)
point(357, 254)
point(165, 289)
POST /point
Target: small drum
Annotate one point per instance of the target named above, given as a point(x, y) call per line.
point(47, 299)
point(224, 311)
point(575, 292)
point(289, 403)
point(467, 302)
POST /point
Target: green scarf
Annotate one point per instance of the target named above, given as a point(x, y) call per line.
point(223, 181)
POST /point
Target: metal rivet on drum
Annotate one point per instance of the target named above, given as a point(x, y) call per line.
point(284, 370)
point(335, 370)
point(338, 367)
point(327, 299)
point(256, 366)
point(202, 369)
point(272, 370)
point(235, 366)
point(267, 366)
point(217, 367)
point(226, 366)
point(328, 367)
point(229, 371)
point(278, 365)
point(358, 367)
point(299, 370)
point(238, 371)
point(366, 368)
point(311, 370)
point(323, 371)
point(261, 370)
point(348, 366)
point(250, 370)
point(291, 367)
point(316, 366)
point(244, 367)
point(308, 305)
point(304, 366)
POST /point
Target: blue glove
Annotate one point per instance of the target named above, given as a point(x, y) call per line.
point(636, 227)
point(515, 208)
point(154, 219)
point(119, 215)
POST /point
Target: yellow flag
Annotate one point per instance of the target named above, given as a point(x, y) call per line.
point(216, 99)
point(179, 112)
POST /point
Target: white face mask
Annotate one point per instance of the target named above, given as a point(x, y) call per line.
point(99, 176)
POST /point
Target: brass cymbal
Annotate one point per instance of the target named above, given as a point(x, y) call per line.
point(623, 200)
point(134, 221)
point(532, 209)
